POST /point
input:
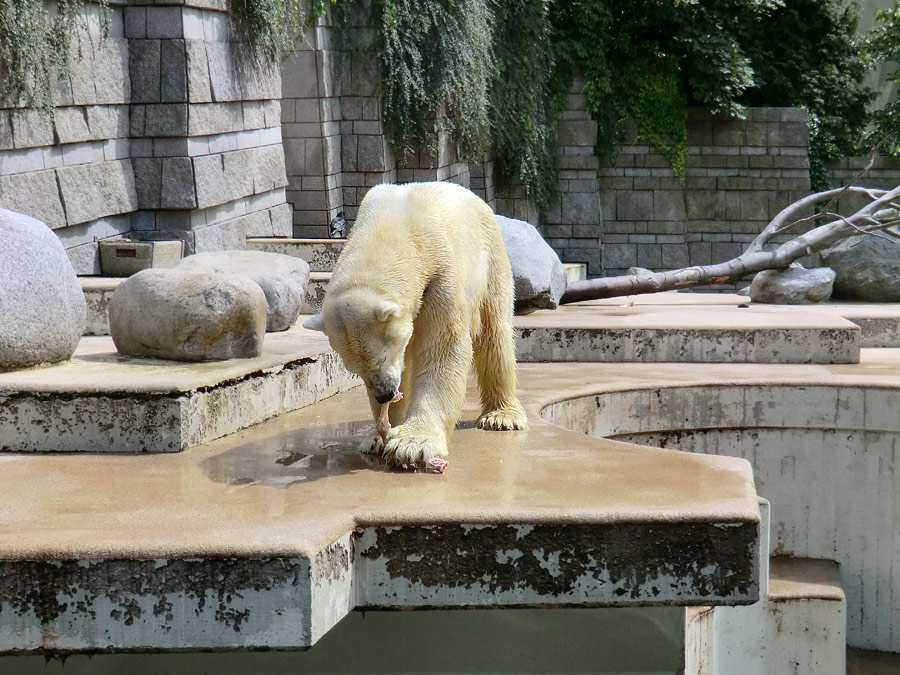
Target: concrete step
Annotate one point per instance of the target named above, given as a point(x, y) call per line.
point(321, 254)
point(100, 401)
point(799, 625)
point(699, 328)
point(575, 272)
point(686, 328)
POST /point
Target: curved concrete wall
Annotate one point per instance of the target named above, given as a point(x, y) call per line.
point(825, 457)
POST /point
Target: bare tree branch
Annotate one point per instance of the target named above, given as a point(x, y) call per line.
point(876, 216)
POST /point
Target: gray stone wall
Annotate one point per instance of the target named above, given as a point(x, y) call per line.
point(158, 134)
point(574, 224)
point(883, 174)
point(740, 173)
point(76, 176)
point(334, 140)
point(631, 211)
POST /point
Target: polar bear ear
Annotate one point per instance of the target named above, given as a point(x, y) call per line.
point(386, 310)
point(315, 323)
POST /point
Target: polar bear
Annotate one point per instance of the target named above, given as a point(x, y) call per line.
point(422, 285)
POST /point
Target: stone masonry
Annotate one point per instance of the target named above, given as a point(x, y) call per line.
point(157, 135)
point(334, 139)
point(161, 134)
point(629, 211)
point(740, 173)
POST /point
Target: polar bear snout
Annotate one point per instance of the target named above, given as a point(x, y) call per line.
point(385, 398)
point(383, 388)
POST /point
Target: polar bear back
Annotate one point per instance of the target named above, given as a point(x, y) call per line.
point(407, 237)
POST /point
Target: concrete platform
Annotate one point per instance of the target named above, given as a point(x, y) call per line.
point(321, 254)
point(663, 327)
point(682, 327)
point(268, 537)
point(100, 401)
point(822, 441)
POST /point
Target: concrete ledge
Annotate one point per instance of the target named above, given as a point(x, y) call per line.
point(268, 537)
point(685, 328)
point(100, 401)
point(321, 254)
point(675, 327)
point(798, 578)
point(822, 440)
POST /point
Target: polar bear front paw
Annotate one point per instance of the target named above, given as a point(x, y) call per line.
point(371, 445)
point(504, 419)
point(406, 446)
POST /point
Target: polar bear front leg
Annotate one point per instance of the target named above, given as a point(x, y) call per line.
point(438, 391)
point(373, 444)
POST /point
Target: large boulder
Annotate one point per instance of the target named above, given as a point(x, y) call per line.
point(538, 274)
point(867, 268)
point(795, 285)
point(282, 278)
point(42, 308)
point(188, 316)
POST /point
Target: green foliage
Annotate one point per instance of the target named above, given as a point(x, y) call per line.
point(807, 54)
point(646, 61)
point(883, 47)
point(35, 47)
point(502, 69)
point(266, 29)
point(436, 57)
point(522, 114)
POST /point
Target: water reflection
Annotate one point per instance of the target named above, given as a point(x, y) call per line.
point(295, 455)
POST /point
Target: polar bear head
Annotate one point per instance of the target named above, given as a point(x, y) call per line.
point(370, 332)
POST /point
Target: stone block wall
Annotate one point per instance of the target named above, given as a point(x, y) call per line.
point(76, 175)
point(334, 139)
point(884, 174)
point(205, 132)
point(158, 134)
point(740, 173)
point(573, 225)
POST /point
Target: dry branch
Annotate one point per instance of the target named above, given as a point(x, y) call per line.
point(882, 212)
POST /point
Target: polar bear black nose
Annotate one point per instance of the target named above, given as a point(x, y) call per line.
point(385, 398)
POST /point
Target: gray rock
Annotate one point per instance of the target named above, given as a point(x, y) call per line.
point(867, 269)
point(186, 316)
point(538, 274)
point(282, 278)
point(41, 303)
point(793, 286)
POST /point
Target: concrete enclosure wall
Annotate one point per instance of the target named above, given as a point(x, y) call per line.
point(823, 456)
point(157, 134)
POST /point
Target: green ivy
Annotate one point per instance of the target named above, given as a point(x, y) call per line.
point(502, 69)
point(436, 57)
point(647, 60)
point(808, 54)
point(35, 47)
point(883, 47)
point(267, 29)
point(522, 114)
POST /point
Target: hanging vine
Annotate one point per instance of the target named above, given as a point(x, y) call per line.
point(35, 47)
